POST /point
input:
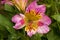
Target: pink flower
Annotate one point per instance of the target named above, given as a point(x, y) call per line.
point(34, 20)
point(6, 2)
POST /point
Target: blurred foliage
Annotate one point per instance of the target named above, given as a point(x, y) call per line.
point(6, 26)
point(56, 17)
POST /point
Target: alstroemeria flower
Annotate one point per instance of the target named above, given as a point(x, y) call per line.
point(34, 20)
point(6, 2)
point(20, 4)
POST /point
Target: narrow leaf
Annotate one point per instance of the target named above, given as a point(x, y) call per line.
point(56, 17)
point(8, 8)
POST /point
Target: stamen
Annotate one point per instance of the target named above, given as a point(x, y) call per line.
point(33, 16)
point(31, 26)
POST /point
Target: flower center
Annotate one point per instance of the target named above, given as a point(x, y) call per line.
point(31, 26)
point(32, 15)
point(31, 20)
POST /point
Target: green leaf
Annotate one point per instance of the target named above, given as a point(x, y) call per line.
point(20, 35)
point(36, 37)
point(56, 17)
point(1, 37)
point(8, 8)
point(12, 37)
point(2, 28)
point(7, 24)
point(52, 36)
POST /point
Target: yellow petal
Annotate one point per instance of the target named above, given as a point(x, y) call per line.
point(20, 4)
point(31, 26)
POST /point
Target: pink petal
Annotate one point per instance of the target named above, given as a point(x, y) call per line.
point(19, 25)
point(3, 1)
point(9, 3)
point(46, 20)
point(31, 6)
point(22, 15)
point(40, 23)
point(30, 33)
point(41, 8)
point(6, 2)
point(43, 29)
point(36, 7)
point(17, 18)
